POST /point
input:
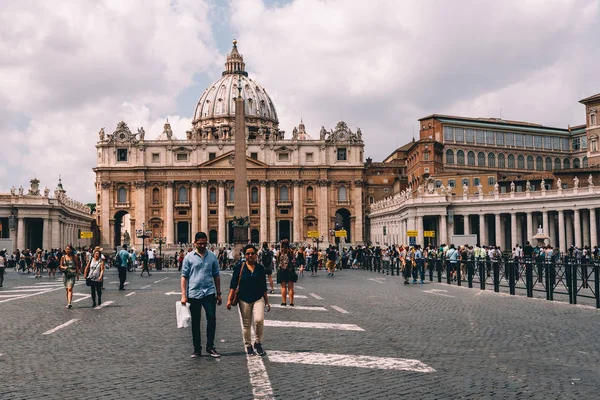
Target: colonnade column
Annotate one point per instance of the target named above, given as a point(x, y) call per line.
point(55, 234)
point(577, 227)
point(324, 210)
point(357, 235)
point(47, 233)
point(530, 226)
point(204, 206)
point(169, 220)
point(498, 229)
point(420, 237)
point(263, 212)
point(513, 230)
point(569, 229)
point(297, 185)
point(443, 229)
point(272, 214)
point(105, 233)
point(194, 208)
point(593, 227)
point(482, 230)
point(546, 223)
point(551, 231)
point(586, 230)
point(20, 233)
point(466, 224)
point(561, 231)
point(221, 213)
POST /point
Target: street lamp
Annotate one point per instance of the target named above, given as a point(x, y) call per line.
point(318, 240)
point(143, 234)
point(160, 241)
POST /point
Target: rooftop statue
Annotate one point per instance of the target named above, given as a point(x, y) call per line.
point(575, 182)
point(590, 181)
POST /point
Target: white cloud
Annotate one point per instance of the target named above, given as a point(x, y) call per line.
point(71, 68)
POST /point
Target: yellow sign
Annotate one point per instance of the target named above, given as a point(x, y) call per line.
point(411, 233)
point(313, 234)
point(341, 233)
point(429, 233)
point(86, 235)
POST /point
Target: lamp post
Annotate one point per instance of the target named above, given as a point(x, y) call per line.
point(318, 240)
point(143, 234)
point(160, 241)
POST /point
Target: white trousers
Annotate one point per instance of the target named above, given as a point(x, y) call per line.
point(249, 311)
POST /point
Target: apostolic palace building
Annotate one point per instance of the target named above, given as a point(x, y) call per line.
point(500, 180)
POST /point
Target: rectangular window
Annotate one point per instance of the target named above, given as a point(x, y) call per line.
point(283, 156)
point(500, 138)
point(254, 156)
point(518, 140)
point(426, 156)
point(254, 212)
point(489, 137)
point(465, 181)
point(548, 142)
point(212, 212)
point(510, 139)
point(155, 157)
point(592, 119)
point(576, 144)
point(438, 184)
point(341, 154)
point(491, 181)
point(122, 155)
point(565, 144)
point(556, 143)
point(480, 137)
point(459, 135)
point(528, 141)
point(371, 200)
point(451, 183)
point(584, 143)
point(182, 212)
point(537, 142)
point(182, 156)
point(426, 170)
point(284, 211)
point(309, 157)
point(476, 181)
point(212, 156)
point(448, 134)
point(470, 135)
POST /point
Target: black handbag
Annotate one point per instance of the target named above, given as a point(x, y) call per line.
point(88, 282)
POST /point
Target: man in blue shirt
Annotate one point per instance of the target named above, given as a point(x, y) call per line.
point(123, 259)
point(201, 287)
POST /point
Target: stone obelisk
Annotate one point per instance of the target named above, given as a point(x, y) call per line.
point(240, 196)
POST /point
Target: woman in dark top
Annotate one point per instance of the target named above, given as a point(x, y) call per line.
point(253, 297)
point(286, 273)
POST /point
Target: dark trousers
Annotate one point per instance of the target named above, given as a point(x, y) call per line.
point(97, 289)
point(420, 269)
point(1, 276)
point(209, 303)
point(407, 270)
point(122, 276)
point(145, 268)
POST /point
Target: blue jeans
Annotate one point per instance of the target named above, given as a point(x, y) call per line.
point(209, 303)
point(420, 268)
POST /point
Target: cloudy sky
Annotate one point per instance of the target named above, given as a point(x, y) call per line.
point(69, 68)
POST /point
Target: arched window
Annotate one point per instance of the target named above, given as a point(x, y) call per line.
point(511, 161)
point(284, 193)
point(539, 164)
point(548, 164)
point(182, 195)
point(501, 161)
point(481, 159)
point(122, 195)
point(557, 163)
point(585, 162)
point(567, 164)
point(449, 157)
point(231, 193)
point(491, 160)
point(309, 193)
point(529, 162)
point(254, 195)
point(155, 196)
point(576, 163)
point(520, 162)
point(460, 157)
point(212, 197)
point(471, 158)
point(342, 193)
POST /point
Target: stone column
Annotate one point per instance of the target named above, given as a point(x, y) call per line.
point(593, 228)
point(263, 212)
point(551, 229)
point(482, 230)
point(297, 231)
point(546, 223)
point(586, 230)
point(498, 229)
point(273, 213)
point(140, 207)
point(221, 213)
point(324, 210)
point(519, 230)
point(569, 229)
point(420, 237)
point(204, 206)
point(561, 231)
point(357, 235)
point(466, 224)
point(47, 232)
point(577, 227)
point(55, 233)
point(106, 239)
point(20, 233)
point(513, 230)
point(443, 229)
point(194, 206)
point(530, 226)
point(169, 220)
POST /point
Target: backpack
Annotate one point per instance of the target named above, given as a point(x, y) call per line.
point(267, 258)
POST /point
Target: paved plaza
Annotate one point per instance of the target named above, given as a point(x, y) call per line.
point(358, 335)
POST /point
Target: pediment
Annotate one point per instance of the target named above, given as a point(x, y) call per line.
point(227, 161)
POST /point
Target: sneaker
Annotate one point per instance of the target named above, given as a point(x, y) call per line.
point(250, 351)
point(283, 304)
point(196, 354)
point(69, 305)
point(414, 281)
point(422, 281)
point(272, 291)
point(291, 304)
point(213, 352)
point(93, 305)
point(259, 349)
point(406, 282)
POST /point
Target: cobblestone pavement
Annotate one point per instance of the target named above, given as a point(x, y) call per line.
point(468, 343)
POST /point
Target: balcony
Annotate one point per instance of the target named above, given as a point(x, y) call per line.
point(121, 205)
point(343, 202)
point(182, 204)
point(229, 204)
point(284, 203)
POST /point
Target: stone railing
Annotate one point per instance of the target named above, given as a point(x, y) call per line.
point(70, 203)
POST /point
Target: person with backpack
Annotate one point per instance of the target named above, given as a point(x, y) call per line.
point(266, 259)
point(452, 258)
point(122, 262)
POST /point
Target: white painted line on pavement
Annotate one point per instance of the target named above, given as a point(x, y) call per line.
point(126, 283)
point(86, 296)
point(101, 306)
point(259, 379)
point(316, 296)
point(309, 308)
point(298, 286)
point(129, 294)
point(81, 294)
point(145, 287)
point(13, 295)
point(312, 325)
point(170, 293)
point(343, 360)
point(59, 327)
point(38, 287)
point(376, 280)
point(437, 293)
point(336, 308)
point(30, 295)
point(25, 290)
point(296, 296)
point(160, 280)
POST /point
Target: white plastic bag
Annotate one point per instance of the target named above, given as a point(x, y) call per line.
point(184, 318)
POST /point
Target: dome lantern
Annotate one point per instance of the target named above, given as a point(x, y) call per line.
point(235, 62)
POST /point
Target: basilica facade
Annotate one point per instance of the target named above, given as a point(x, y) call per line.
point(298, 187)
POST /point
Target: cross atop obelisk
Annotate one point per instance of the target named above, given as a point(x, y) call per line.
point(240, 196)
